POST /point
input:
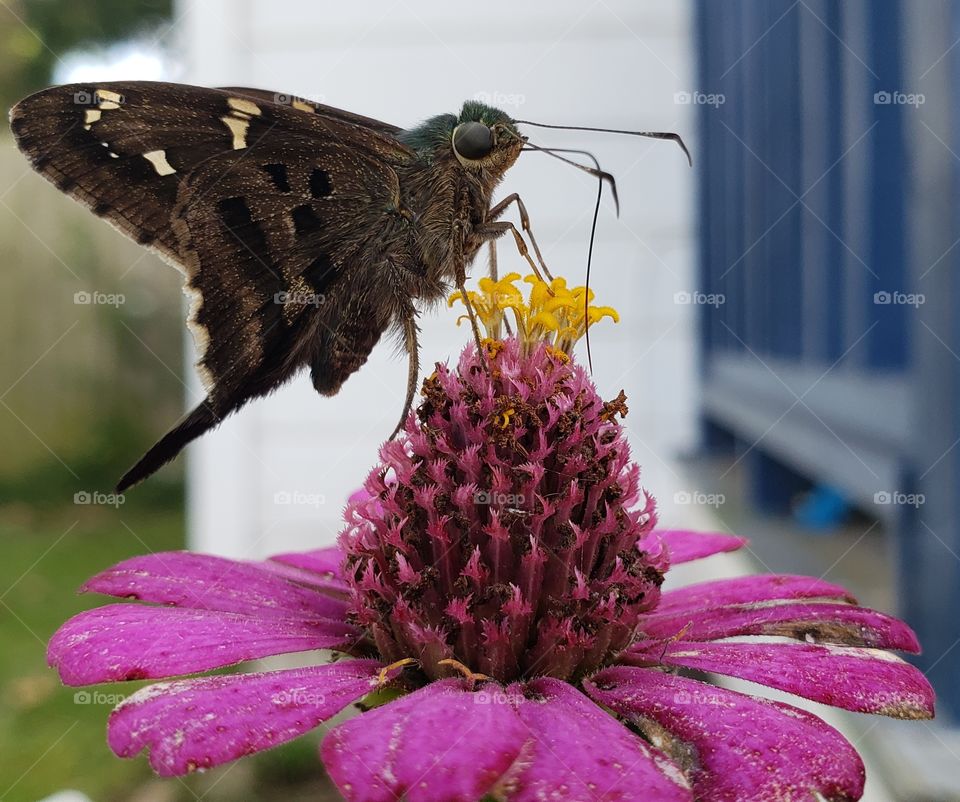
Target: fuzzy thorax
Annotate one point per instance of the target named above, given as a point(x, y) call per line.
point(504, 527)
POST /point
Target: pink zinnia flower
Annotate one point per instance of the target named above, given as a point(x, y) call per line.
point(501, 575)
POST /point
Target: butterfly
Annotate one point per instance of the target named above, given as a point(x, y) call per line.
point(303, 232)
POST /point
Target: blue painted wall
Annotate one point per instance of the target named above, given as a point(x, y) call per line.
point(823, 194)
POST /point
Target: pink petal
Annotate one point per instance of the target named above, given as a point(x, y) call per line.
point(747, 589)
point(325, 583)
point(685, 545)
point(745, 748)
point(581, 752)
point(863, 680)
point(198, 723)
point(819, 621)
point(327, 561)
point(205, 582)
point(132, 641)
point(441, 742)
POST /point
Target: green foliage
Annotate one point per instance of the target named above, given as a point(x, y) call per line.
point(34, 34)
point(88, 387)
point(119, 440)
point(296, 762)
point(52, 738)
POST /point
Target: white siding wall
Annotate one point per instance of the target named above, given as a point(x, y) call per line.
point(617, 64)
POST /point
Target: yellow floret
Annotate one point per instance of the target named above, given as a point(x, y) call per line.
point(552, 313)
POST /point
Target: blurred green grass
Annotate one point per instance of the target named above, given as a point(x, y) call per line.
point(54, 737)
point(48, 740)
point(85, 389)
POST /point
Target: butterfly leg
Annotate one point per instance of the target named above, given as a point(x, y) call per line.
point(494, 275)
point(501, 207)
point(461, 285)
point(498, 229)
point(460, 278)
point(412, 345)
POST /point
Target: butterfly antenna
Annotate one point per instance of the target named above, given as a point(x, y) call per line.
point(593, 231)
point(648, 134)
point(603, 175)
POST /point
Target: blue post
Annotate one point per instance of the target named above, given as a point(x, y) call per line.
point(812, 111)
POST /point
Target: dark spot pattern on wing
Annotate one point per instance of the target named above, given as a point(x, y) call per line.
point(236, 217)
point(320, 186)
point(278, 174)
point(305, 220)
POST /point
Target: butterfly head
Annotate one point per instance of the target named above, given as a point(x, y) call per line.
point(480, 138)
point(485, 138)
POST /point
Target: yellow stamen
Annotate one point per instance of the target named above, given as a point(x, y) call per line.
point(600, 312)
point(470, 675)
point(504, 417)
point(552, 313)
point(384, 676)
point(674, 639)
point(546, 320)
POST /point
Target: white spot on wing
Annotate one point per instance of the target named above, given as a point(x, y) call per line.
point(90, 116)
point(244, 106)
point(158, 158)
point(238, 128)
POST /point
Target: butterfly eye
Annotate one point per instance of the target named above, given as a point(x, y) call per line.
point(472, 141)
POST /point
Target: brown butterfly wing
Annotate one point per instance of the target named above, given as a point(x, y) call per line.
point(122, 148)
point(278, 215)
